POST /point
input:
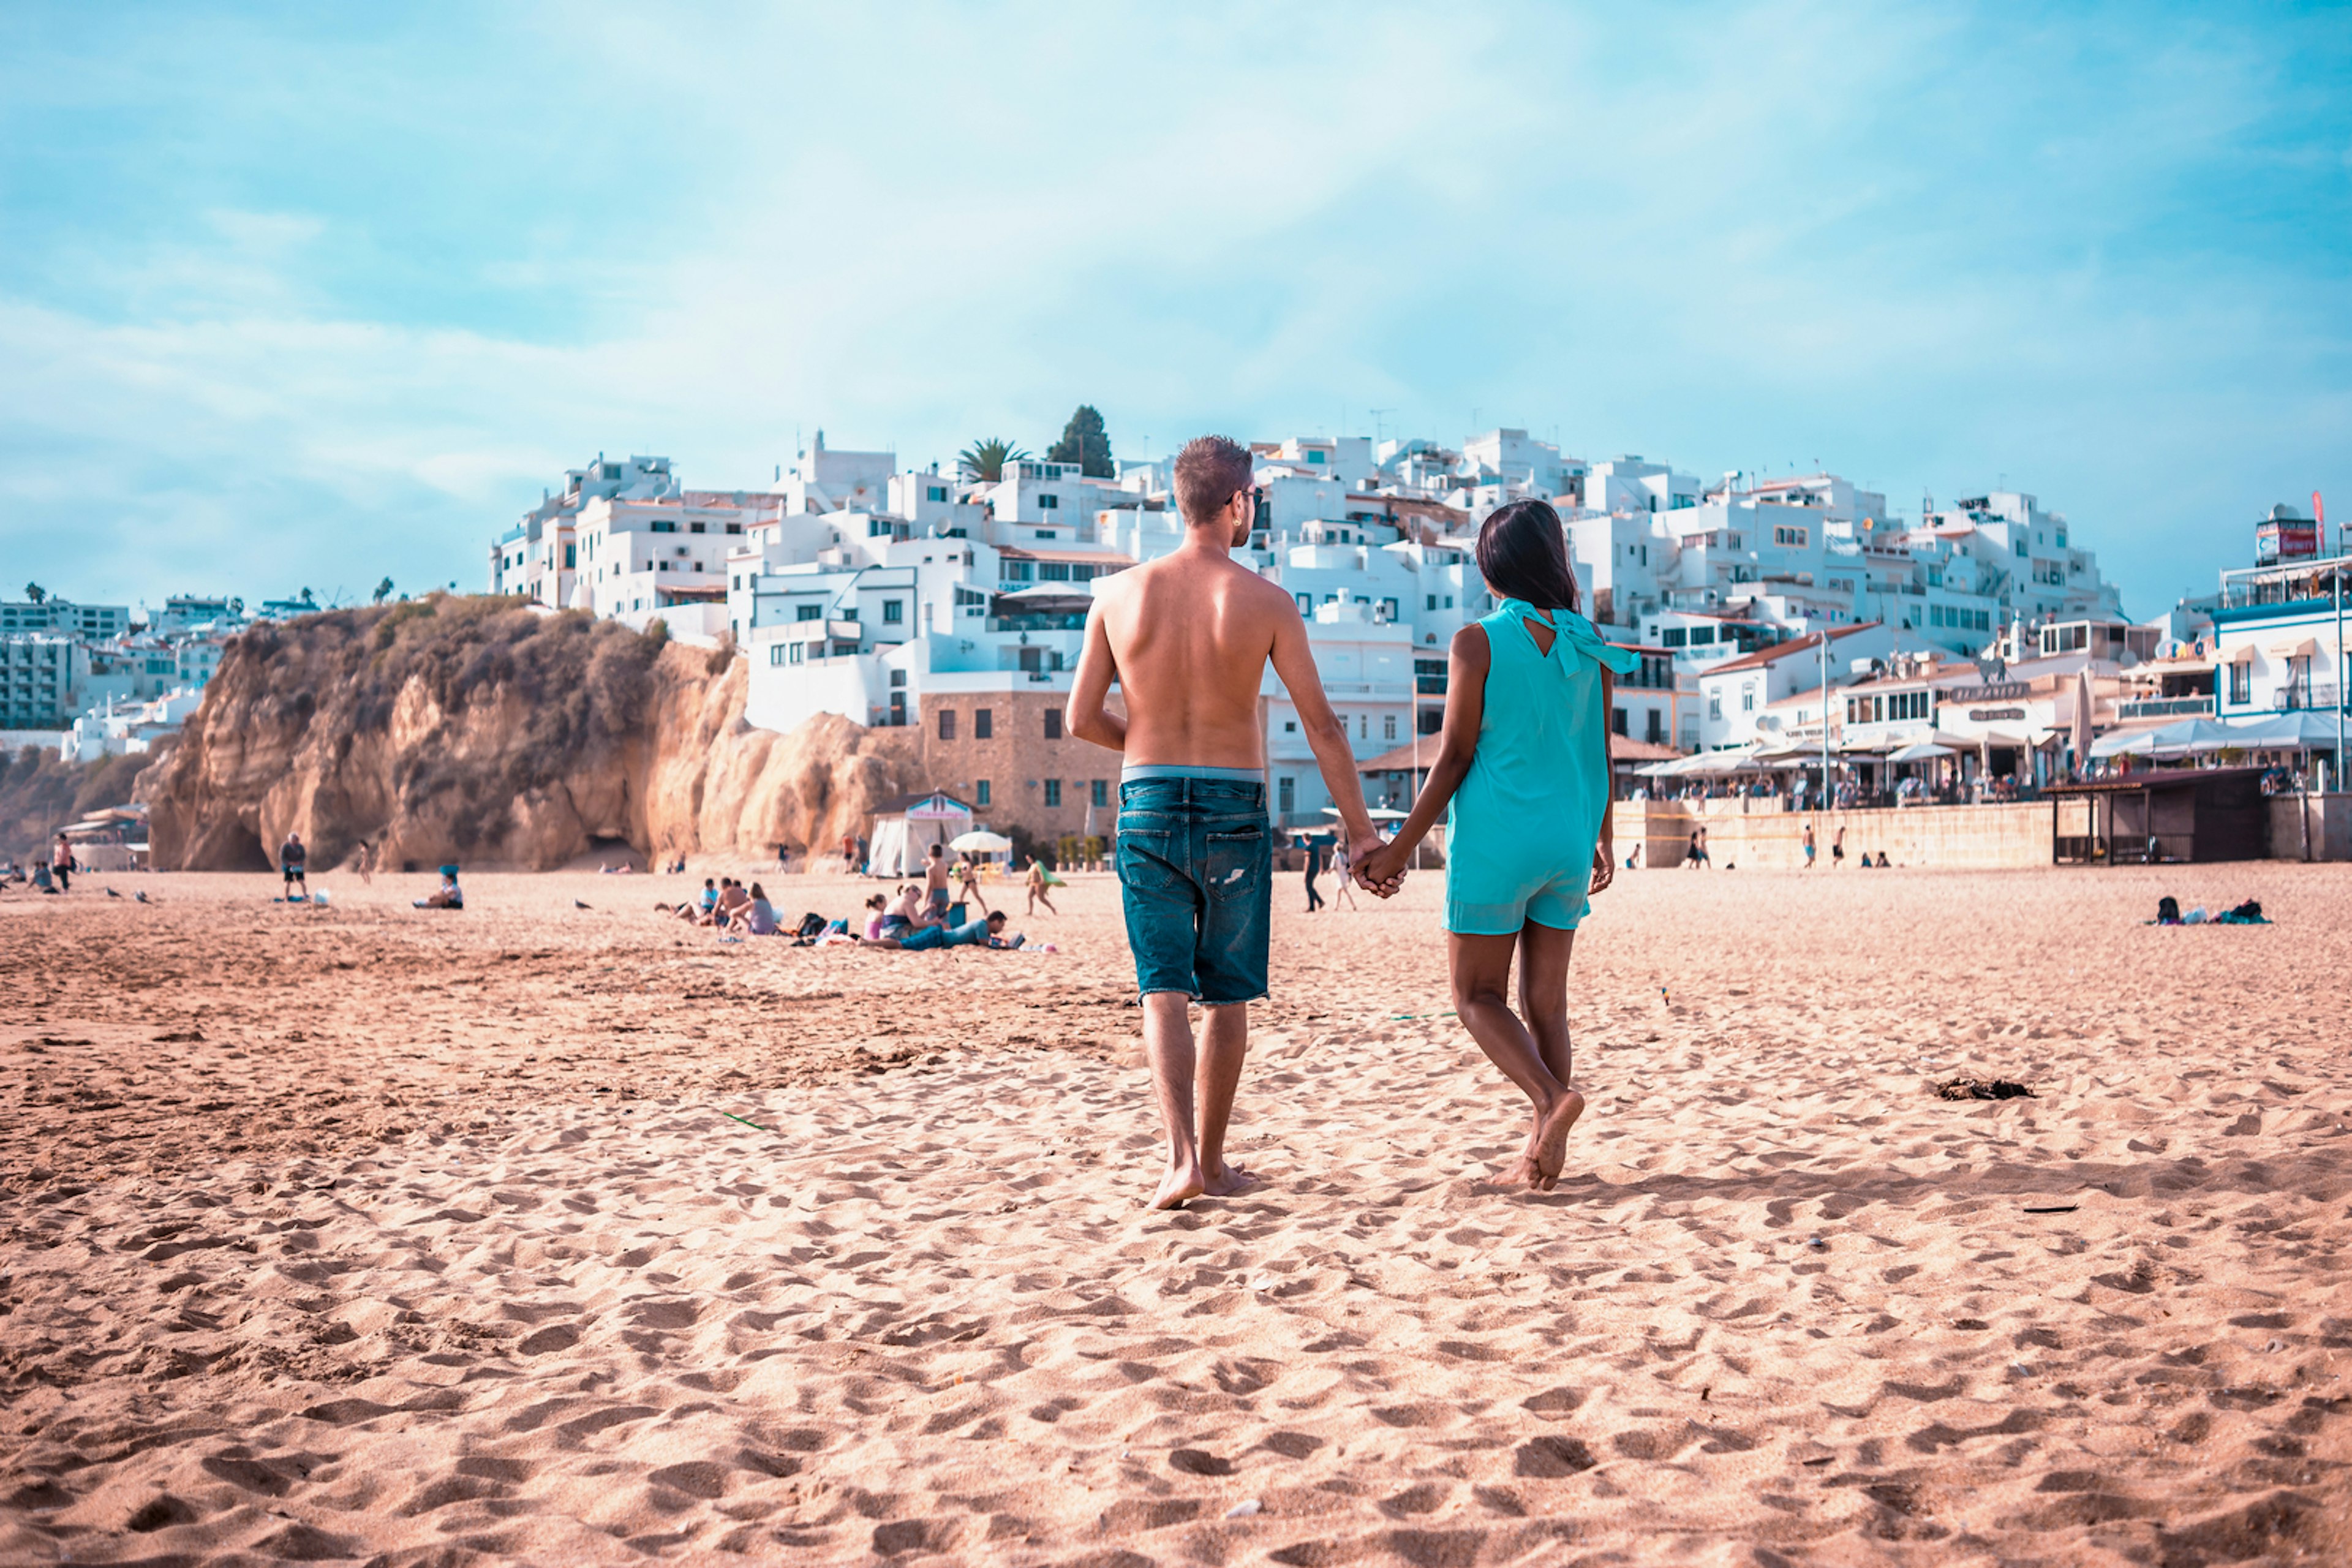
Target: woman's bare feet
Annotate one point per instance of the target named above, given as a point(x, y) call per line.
point(1178, 1187)
point(1550, 1151)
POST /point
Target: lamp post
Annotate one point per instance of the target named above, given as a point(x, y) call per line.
point(2335, 580)
point(1825, 729)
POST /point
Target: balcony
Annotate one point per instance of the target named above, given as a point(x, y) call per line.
point(2298, 695)
point(2199, 706)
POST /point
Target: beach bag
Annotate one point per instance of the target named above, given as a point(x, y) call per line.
point(812, 926)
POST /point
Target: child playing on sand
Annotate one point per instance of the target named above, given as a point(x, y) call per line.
point(1522, 771)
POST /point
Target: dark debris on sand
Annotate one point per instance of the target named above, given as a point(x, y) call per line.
point(1981, 1088)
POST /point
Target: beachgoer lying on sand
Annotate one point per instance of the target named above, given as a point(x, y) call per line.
point(448, 896)
point(988, 931)
point(1037, 886)
point(1522, 763)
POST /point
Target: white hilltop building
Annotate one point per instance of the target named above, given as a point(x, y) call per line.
point(918, 597)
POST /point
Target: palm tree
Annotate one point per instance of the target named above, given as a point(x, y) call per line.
point(384, 591)
point(985, 460)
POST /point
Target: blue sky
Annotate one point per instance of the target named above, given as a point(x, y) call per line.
point(298, 295)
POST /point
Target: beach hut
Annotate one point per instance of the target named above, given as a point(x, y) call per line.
point(2165, 815)
point(906, 828)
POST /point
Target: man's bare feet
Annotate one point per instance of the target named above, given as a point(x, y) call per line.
point(1178, 1187)
point(1227, 1181)
point(1550, 1151)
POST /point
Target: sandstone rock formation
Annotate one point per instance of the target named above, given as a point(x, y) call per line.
point(480, 731)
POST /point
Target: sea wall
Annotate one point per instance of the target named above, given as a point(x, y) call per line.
point(1759, 833)
point(2311, 828)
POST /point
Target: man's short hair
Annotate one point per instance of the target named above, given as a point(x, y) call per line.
point(996, 917)
point(938, 848)
point(1208, 472)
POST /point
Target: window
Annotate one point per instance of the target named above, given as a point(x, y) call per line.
point(810, 613)
point(571, 555)
point(734, 527)
point(894, 612)
point(1049, 503)
point(1285, 796)
point(2241, 682)
point(1101, 792)
point(1388, 609)
point(1674, 637)
point(1715, 704)
point(1792, 537)
point(979, 790)
point(694, 527)
point(849, 612)
point(776, 652)
point(1433, 601)
point(1747, 698)
point(1363, 726)
point(1449, 601)
point(1701, 636)
point(1052, 792)
point(2020, 548)
point(940, 493)
point(1307, 604)
point(1617, 722)
point(898, 679)
point(664, 528)
point(794, 651)
point(1053, 730)
point(1388, 726)
point(1655, 730)
point(947, 724)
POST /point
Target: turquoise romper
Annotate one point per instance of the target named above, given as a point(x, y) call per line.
point(1521, 831)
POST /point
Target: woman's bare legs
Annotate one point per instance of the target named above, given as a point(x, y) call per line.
point(1536, 1061)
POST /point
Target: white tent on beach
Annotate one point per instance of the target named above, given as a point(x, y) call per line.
point(905, 830)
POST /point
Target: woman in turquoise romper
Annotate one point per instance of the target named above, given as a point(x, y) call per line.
point(1522, 772)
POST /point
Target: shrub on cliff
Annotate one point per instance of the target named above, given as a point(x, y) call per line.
point(39, 795)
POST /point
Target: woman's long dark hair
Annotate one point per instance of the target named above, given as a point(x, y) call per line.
point(1523, 554)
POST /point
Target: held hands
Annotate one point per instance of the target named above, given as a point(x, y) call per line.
point(1604, 865)
point(1378, 866)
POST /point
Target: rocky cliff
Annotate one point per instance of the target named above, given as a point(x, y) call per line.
point(476, 730)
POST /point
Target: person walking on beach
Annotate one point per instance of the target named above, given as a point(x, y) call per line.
point(1038, 889)
point(1837, 848)
point(1697, 855)
point(62, 864)
point(366, 866)
point(1314, 870)
point(1187, 638)
point(1809, 847)
point(1343, 884)
point(1522, 772)
point(290, 855)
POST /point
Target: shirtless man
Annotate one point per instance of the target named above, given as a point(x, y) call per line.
point(935, 878)
point(1187, 638)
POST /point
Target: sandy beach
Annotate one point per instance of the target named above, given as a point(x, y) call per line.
point(382, 1234)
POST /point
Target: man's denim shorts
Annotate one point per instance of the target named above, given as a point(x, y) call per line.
point(1196, 867)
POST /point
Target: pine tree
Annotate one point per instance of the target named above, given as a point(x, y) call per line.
point(1086, 443)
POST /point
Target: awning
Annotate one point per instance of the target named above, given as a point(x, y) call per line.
point(1920, 752)
point(2296, 648)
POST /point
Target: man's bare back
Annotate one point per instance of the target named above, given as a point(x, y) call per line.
point(1190, 636)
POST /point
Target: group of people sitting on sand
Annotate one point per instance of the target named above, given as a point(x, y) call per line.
point(727, 905)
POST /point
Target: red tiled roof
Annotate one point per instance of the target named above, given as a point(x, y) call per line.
point(1778, 651)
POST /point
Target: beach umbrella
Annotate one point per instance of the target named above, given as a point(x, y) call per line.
point(980, 841)
point(2082, 736)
